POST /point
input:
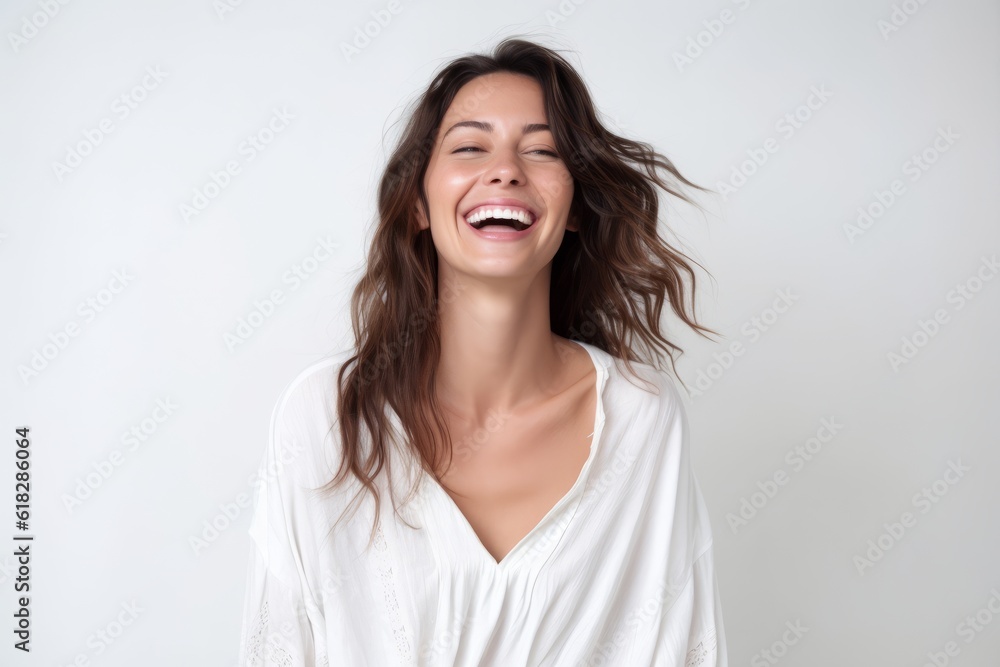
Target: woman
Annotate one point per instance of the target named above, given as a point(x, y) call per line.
point(552, 516)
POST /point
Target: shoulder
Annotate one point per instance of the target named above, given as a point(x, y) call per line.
point(309, 391)
point(645, 394)
point(304, 431)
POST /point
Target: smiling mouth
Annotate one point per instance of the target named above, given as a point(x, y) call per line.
point(498, 218)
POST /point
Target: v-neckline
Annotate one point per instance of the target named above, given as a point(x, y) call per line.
point(601, 368)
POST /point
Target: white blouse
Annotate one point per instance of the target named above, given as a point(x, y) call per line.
point(619, 572)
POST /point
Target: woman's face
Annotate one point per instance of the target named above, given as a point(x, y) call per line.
point(493, 144)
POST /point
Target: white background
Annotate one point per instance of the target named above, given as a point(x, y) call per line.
point(161, 336)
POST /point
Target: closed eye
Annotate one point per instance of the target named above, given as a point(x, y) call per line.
point(474, 148)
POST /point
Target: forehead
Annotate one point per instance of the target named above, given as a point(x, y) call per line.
point(498, 94)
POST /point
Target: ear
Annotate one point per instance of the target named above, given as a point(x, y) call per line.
point(572, 225)
point(422, 222)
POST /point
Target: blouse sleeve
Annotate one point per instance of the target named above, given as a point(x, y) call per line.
point(277, 629)
point(281, 625)
point(707, 636)
point(697, 637)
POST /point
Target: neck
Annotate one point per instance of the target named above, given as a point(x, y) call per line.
point(498, 351)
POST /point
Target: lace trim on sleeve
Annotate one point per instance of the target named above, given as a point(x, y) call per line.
point(704, 650)
point(254, 640)
point(259, 653)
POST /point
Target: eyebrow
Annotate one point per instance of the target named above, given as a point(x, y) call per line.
point(488, 127)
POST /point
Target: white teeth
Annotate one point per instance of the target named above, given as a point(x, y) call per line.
point(500, 213)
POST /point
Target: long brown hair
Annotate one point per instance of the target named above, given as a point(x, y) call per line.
point(608, 284)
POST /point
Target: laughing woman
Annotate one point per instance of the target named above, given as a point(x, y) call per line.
point(551, 515)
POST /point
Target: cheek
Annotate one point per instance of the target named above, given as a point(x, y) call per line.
point(558, 188)
point(445, 189)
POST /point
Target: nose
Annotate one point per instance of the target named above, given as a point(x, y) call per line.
point(505, 167)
